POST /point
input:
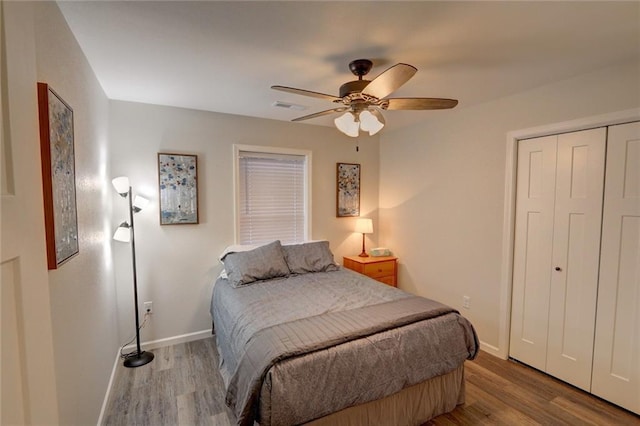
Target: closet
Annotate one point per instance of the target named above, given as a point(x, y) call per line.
point(576, 265)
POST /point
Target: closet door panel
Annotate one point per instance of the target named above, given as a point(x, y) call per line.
point(576, 255)
point(616, 364)
point(532, 250)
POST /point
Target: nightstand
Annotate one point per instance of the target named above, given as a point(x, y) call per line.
point(381, 268)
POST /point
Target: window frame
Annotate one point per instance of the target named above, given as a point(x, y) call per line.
point(307, 154)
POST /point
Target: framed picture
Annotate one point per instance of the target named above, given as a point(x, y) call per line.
point(178, 183)
point(55, 118)
point(348, 190)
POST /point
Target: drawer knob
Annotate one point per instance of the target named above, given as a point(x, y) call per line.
point(558, 268)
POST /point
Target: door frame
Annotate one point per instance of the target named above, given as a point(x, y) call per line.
point(508, 228)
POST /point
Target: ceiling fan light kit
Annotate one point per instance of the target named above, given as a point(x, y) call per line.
point(347, 124)
point(363, 100)
point(351, 123)
point(370, 123)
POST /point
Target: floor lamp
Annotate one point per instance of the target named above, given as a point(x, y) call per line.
point(125, 233)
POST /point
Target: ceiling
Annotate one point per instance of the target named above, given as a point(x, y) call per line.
point(224, 56)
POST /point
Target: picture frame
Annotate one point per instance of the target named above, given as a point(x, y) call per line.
point(178, 188)
point(347, 190)
point(57, 153)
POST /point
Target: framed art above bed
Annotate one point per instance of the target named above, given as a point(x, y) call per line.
point(347, 190)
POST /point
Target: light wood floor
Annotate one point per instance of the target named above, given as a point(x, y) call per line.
point(182, 386)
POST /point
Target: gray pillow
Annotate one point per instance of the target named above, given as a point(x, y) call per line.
point(309, 257)
point(261, 263)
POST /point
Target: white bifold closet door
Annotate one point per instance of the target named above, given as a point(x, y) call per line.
point(556, 253)
point(616, 363)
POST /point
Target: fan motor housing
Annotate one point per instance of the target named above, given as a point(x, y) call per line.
point(355, 86)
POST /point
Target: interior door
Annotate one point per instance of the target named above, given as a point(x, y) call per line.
point(556, 252)
point(28, 387)
point(535, 198)
point(12, 406)
point(616, 363)
point(576, 255)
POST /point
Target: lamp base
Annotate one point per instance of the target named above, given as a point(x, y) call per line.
point(364, 252)
point(138, 360)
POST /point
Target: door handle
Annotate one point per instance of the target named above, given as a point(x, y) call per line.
point(557, 268)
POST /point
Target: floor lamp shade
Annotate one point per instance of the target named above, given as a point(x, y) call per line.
point(123, 233)
point(121, 184)
point(139, 203)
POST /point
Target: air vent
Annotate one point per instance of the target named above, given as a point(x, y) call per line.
point(288, 105)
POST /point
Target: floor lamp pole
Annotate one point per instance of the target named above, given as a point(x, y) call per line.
point(139, 358)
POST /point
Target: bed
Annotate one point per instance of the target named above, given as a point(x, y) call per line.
point(304, 341)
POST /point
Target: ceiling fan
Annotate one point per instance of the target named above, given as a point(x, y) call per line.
point(362, 100)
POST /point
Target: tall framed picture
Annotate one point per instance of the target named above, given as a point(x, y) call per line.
point(348, 190)
point(178, 183)
point(57, 154)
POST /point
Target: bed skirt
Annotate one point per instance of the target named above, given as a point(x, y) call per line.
point(411, 406)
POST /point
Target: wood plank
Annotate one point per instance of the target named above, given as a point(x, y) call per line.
point(184, 387)
point(494, 384)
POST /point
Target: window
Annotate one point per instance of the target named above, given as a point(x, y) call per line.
point(272, 194)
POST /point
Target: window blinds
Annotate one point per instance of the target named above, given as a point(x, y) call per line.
point(271, 198)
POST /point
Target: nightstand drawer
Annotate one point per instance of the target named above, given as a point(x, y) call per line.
point(380, 269)
point(383, 268)
point(388, 280)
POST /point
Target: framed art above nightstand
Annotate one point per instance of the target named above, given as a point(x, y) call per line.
point(381, 268)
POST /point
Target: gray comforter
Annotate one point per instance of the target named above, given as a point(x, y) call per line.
point(267, 322)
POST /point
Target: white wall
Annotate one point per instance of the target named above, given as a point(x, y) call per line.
point(177, 264)
point(442, 187)
point(81, 293)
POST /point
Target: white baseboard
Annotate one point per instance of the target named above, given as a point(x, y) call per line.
point(108, 392)
point(183, 338)
point(493, 350)
point(154, 344)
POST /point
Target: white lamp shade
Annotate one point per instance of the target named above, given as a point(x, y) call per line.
point(121, 184)
point(123, 233)
point(347, 124)
point(140, 202)
point(370, 123)
point(364, 226)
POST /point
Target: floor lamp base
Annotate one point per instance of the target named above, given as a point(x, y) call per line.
point(138, 360)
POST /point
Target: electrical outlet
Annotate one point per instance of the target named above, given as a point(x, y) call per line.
point(466, 302)
point(148, 307)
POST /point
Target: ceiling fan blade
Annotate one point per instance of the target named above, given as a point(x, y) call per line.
point(320, 114)
point(420, 103)
point(307, 93)
point(389, 80)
